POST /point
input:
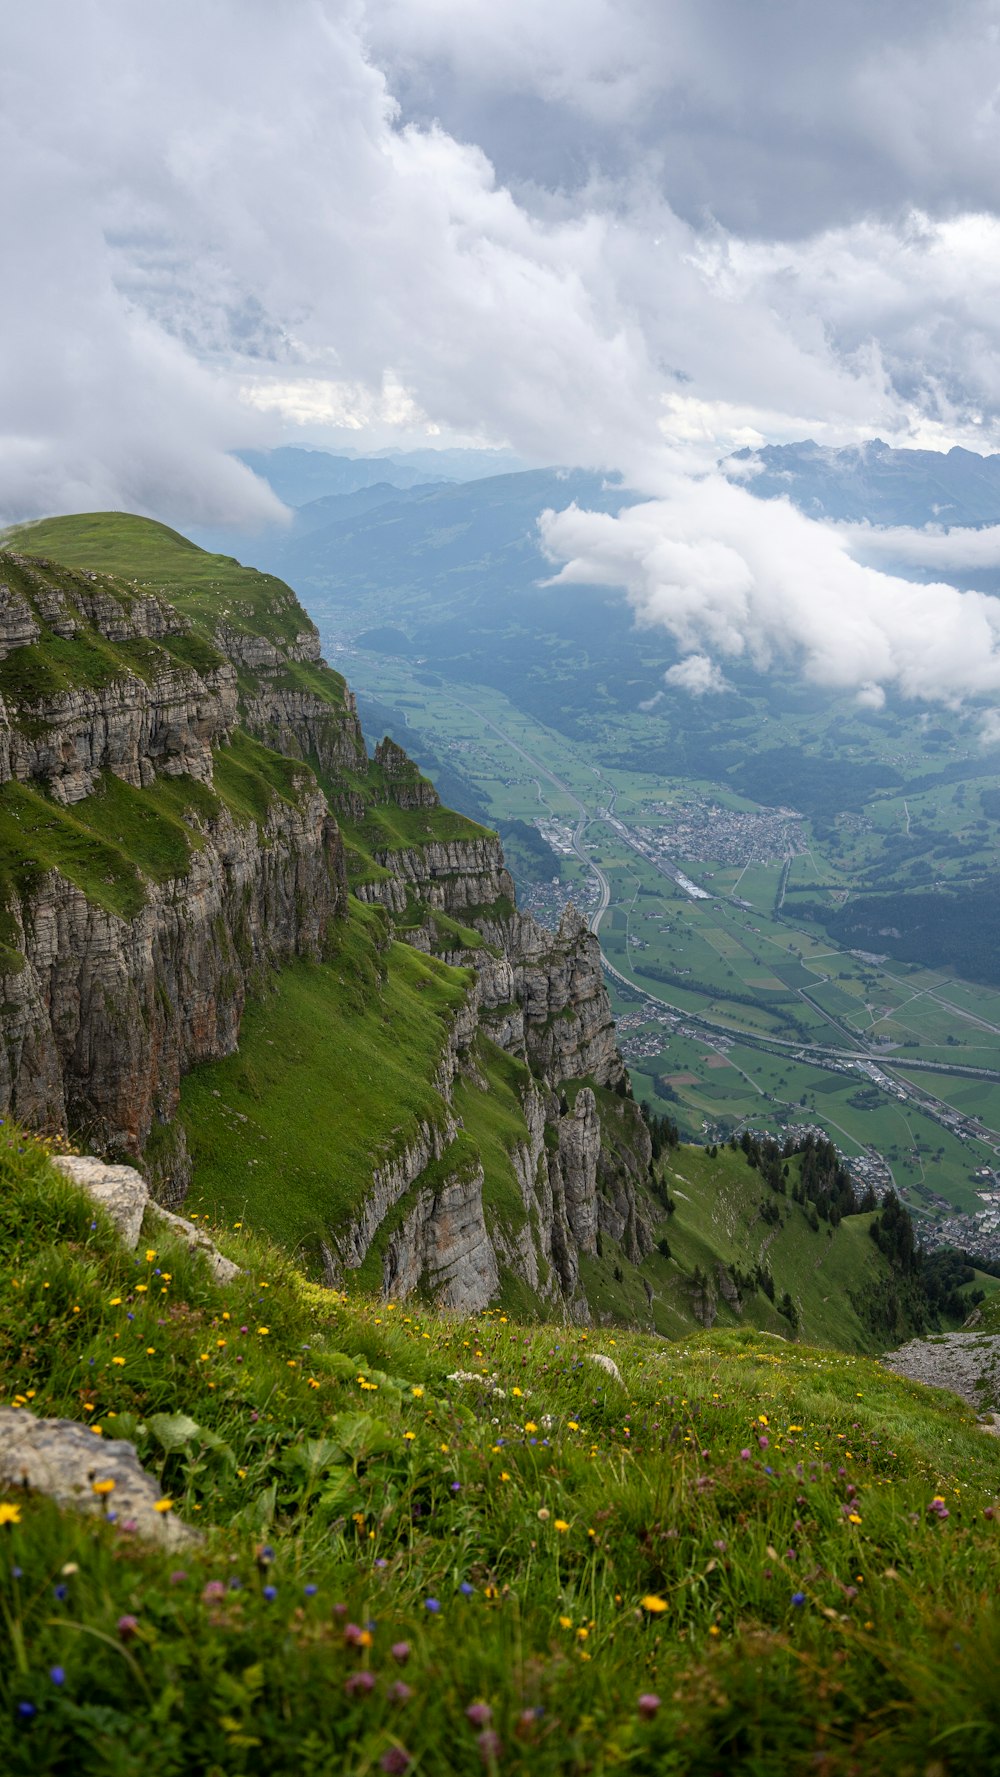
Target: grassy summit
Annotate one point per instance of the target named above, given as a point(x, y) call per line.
point(205, 587)
point(747, 1556)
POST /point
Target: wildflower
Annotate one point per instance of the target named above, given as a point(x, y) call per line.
point(115, 1302)
point(516, 1392)
point(150, 1254)
point(561, 1525)
point(543, 1513)
point(102, 1486)
point(359, 1684)
point(853, 1518)
point(798, 1598)
point(127, 1627)
point(480, 1715)
point(937, 1508)
point(466, 1590)
point(400, 1651)
point(10, 1514)
point(119, 1361)
point(432, 1604)
point(353, 1634)
point(572, 1425)
point(163, 1505)
point(270, 1593)
point(68, 1569)
point(417, 1393)
point(504, 1476)
point(212, 1590)
point(263, 1331)
point(744, 1456)
point(654, 1604)
point(581, 1634)
point(26, 1711)
point(57, 1675)
point(178, 1576)
point(409, 1436)
point(530, 1425)
point(310, 1591)
point(395, 1760)
point(648, 1704)
point(489, 1746)
point(150, 1350)
point(399, 1692)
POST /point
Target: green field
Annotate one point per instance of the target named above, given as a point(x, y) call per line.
point(748, 973)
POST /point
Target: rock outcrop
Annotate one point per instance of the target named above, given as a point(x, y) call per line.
point(124, 1196)
point(65, 1461)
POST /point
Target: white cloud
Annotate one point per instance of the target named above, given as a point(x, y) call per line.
point(963, 546)
point(742, 579)
point(696, 674)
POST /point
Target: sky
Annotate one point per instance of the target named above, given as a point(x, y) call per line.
point(624, 234)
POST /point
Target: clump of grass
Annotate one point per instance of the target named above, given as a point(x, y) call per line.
point(732, 1560)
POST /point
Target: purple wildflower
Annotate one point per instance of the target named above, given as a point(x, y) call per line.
point(480, 1715)
point(395, 1761)
point(360, 1683)
point(127, 1626)
point(648, 1704)
point(400, 1652)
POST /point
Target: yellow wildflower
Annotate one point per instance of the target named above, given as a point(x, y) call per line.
point(164, 1505)
point(118, 1360)
point(654, 1604)
point(10, 1514)
point(102, 1486)
point(561, 1526)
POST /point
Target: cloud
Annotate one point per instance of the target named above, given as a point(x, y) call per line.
point(775, 121)
point(989, 729)
point(741, 579)
point(696, 674)
point(267, 225)
point(931, 546)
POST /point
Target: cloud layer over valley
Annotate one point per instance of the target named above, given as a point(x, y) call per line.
point(621, 235)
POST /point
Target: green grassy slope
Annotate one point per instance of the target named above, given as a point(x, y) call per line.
point(334, 1073)
point(205, 587)
point(746, 1557)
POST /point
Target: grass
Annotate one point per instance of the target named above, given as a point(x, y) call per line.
point(739, 1534)
point(206, 588)
point(334, 1075)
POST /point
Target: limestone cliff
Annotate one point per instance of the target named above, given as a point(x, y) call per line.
point(186, 801)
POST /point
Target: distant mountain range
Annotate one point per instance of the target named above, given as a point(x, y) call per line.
point(874, 482)
point(300, 475)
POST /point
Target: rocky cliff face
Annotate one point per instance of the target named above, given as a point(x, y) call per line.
point(134, 925)
point(103, 1011)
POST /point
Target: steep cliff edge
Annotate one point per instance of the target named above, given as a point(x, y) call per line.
point(279, 971)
